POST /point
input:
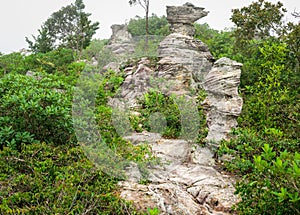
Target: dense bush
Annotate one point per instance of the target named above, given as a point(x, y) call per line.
point(161, 113)
point(157, 26)
point(156, 102)
point(273, 187)
point(269, 169)
point(50, 62)
point(13, 62)
point(48, 179)
point(93, 50)
point(34, 107)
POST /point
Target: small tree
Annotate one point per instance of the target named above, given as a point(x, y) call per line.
point(145, 5)
point(157, 26)
point(69, 27)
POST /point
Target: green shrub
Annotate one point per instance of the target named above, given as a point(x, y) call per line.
point(161, 113)
point(157, 26)
point(274, 186)
point(48, 179)
point(268, 166)
point(155, 102)
point(95, 47)
point(13, 62)
point(50, 62)
point(40, 108)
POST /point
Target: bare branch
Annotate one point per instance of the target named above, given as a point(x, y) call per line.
point(296, 14)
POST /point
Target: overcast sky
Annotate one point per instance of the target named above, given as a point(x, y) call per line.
point(21, 18)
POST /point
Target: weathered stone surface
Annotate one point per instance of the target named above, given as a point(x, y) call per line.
point(137, 82)
point(223, 103)
point(120, 42)
point(186, 181)
point(112, 66)
point(169, 77)
point(181, 18)
point(183, 183)
point(190, 53)
point(120, 34)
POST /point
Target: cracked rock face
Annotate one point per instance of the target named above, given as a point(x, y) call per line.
point(192, 54)
point(186, 182)
point(223, 104)
point(167, 76)
point(182, 18)
point(180, 46)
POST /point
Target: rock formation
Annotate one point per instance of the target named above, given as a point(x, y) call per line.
point(183, 17)
point(186, 182)
point(223, 104)
point(184, 61)
point(120, 42)
point(180, 46)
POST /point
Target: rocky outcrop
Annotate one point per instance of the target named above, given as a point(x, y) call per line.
point(185, 183)
point(183, 17)
point(181, 48)
point(120, 42)
point(189, 52)
point(167, 76)
point(223, 104)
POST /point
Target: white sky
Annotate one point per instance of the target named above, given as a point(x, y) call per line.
point(21, 18)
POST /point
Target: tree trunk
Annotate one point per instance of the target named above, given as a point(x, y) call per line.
point(147, 25)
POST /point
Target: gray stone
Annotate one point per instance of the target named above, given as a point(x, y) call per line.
point(223, 104)
point(120, 42)
point(178, 186)
point(192, 54)
point(181, 18)
point(120, 34)
point(112, 66)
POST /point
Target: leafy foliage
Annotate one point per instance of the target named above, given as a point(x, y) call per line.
point(48, 179)
point(39, 109)
point(259, 20)
point(268, 101)
point(69, 27)
point(160, 113)
point(94, 49)
point(13, 62)
point(157, 26)
point(220, 43)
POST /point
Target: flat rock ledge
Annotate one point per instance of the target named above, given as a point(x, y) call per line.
point(186, 182)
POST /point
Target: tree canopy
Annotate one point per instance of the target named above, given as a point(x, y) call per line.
point(70, 27)
point(259, 20)
point(157, 26)
point(145, 5)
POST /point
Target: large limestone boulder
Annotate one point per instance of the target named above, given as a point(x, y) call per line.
point(223, 104)
point(120, 34)
point(181, 48)
point(167, 76)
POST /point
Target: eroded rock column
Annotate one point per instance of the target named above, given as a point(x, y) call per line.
point(181, 18)
point(223, 104)
point(120, 42)
point(181, 48)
